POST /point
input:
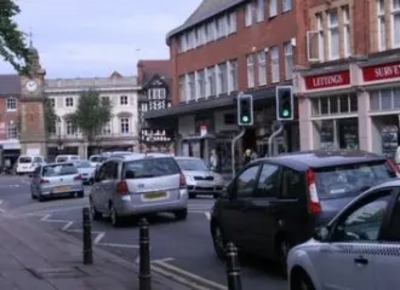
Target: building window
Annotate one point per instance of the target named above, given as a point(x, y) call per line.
point(11, 103)
point(232, 22)
point(123, 100)
point(182, 94)
point(71, 129)
point(338, 104)
point(288, 60)
point(52, 102)
point(232, 78)
point(287, 5)
point(211, 31)
point(201, 84)
point(144, 107)
point(106, 129)
point(260, 10)
point(333, 27)
point(211, 81)
point(396, 23)
point(248, 14)
point(262, 68)
point(201, 35)
point(69, 102)
point(182, 43)
point(275, 64)
point(191, 87)
point(346, 31)
point(124, 124)
point(381, 25)
point(105, 100)
point(321, 37)
point(222, 78)
point(273, 8)
point(250, 71)
point(222, 26)
point(385, 100)
point(12, 132)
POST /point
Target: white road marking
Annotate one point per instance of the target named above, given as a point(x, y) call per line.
point(98, 239)
point(208, 215)
point(137, 260)
point(119, 245)
point(169, 259)
point(67, 226)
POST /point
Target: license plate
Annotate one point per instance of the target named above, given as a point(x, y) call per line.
point(61, 188)
point(155, 195)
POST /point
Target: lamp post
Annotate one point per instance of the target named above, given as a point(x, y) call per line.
point(60, 146)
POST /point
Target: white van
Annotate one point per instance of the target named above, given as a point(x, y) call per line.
point(27, 164)
point(67, 158)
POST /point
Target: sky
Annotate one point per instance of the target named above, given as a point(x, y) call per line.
point(93, 38)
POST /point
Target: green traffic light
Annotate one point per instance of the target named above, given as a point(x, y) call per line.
point(285, 113)
point(245, 119)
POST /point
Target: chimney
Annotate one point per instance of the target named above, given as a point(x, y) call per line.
point(140, 70)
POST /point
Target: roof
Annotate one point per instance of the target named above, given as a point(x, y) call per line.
point(10, 85)
point(324, 158)
point(153, 67)
point(206, 10)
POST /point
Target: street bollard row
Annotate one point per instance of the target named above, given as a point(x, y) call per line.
point(232, 261)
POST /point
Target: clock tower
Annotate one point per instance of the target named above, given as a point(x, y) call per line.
point(32, 127)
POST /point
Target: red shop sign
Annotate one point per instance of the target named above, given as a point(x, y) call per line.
point(329, 80)
point(381, 72)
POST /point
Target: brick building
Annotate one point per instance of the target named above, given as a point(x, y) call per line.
point(348, 82)
point(154, 78)
point(223, 48)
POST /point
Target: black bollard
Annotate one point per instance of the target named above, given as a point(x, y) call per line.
point(233, 268)
point(87, 237)
point(144, 256)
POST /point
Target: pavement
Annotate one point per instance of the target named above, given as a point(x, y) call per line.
point(182, 251)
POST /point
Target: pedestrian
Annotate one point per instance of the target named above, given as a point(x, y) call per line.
point(214, 160)
point(247, 157)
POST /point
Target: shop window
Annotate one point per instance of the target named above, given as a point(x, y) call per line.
point(396, 98)
point(315, 107)
point(388, 99)
point(324, 106)
point(337, 134)
point(343, 104)
point(334, 109)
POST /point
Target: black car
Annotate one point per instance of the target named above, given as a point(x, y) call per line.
point(276, 203)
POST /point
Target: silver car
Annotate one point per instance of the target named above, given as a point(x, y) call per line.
point(138, 184)
point(56, 179)
point(86, 169)
point(358, 249)
point(200, 179)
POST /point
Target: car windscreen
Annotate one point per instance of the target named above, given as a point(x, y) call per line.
point(95, 159)
point(83, 164)
point(25, 159)
point(62, 159)
point(59, 170)
point(350, 180)
point(150, 167)
point(192, 164)
point(38, 159)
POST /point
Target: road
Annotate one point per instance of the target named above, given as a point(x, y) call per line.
point(182, 249)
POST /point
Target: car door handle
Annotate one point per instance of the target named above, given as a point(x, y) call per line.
point(361, 261)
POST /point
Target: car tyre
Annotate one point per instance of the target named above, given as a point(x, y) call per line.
point(81, 194)
point(219, 240)
point(192, 195)
point(282, 251)
point(181, 214)
point(33, 196)
point(216, 195)
point(116, 220)
point(302, 282)
point(96, 215)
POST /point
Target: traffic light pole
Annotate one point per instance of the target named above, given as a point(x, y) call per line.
point(271, 140)
point(234, 141)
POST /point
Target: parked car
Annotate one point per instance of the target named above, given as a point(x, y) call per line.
point(200, 178)
point(96, 160)
point(138, 184)
point(56, 179)
point(86, 170)
point(67, 158)
point(276, 203)
point(358, 249)
point(26, 164)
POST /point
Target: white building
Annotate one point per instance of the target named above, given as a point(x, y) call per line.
point(121, 133)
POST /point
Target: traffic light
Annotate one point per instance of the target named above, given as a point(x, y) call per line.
point(245, 110)
point(284, 103)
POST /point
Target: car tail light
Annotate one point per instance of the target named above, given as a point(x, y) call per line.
point(122, 187)
point(314, 205)
point(182, 181)
point(44, 181)
point(78, 177)
point(393, 167)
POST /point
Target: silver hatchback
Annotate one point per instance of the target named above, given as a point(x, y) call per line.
point(138, 184)
point(56, 179)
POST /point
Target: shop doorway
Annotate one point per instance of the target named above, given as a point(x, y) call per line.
point(385, 135)
point(249, 140)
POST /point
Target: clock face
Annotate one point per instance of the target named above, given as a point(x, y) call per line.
point(31, 86)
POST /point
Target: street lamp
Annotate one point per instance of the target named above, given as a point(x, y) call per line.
point(60, 146)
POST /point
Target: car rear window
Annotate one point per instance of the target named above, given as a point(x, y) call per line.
point(350, 180)
point(95, 159)
point(59, 169)
point(25, 159)
point(150, 167)
point(37, 159)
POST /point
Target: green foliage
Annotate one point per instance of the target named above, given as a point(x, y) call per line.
point(12, 46)
point(50, 117)
point(91, 114)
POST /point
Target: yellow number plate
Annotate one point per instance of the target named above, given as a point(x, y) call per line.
point(154, 195)
point(61, 188)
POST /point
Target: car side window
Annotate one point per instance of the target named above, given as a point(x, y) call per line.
point(246, 181)
point(393, 233)
point(112, 170)
point(102, 174)
point(37, 171)
point(268, 181)
point(292, 184)
point(364, 222)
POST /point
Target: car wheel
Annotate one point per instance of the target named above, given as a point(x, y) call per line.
point(219, 240)
point(283, 248)
point(116, 220)
point(96, 215)
point(302, 281)
point(32, 194)
point(181, 214)
point(192, 195)
point(216, 195)
point(81, 194)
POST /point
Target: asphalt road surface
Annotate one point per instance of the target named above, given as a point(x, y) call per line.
point(180, 249)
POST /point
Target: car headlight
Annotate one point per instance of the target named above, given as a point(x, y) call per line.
point(189, 178)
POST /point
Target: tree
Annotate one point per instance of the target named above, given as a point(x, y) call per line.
point(91, 115)
point(12, 45)
point(50, 117)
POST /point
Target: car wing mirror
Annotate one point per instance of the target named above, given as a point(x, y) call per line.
point(321, 233)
